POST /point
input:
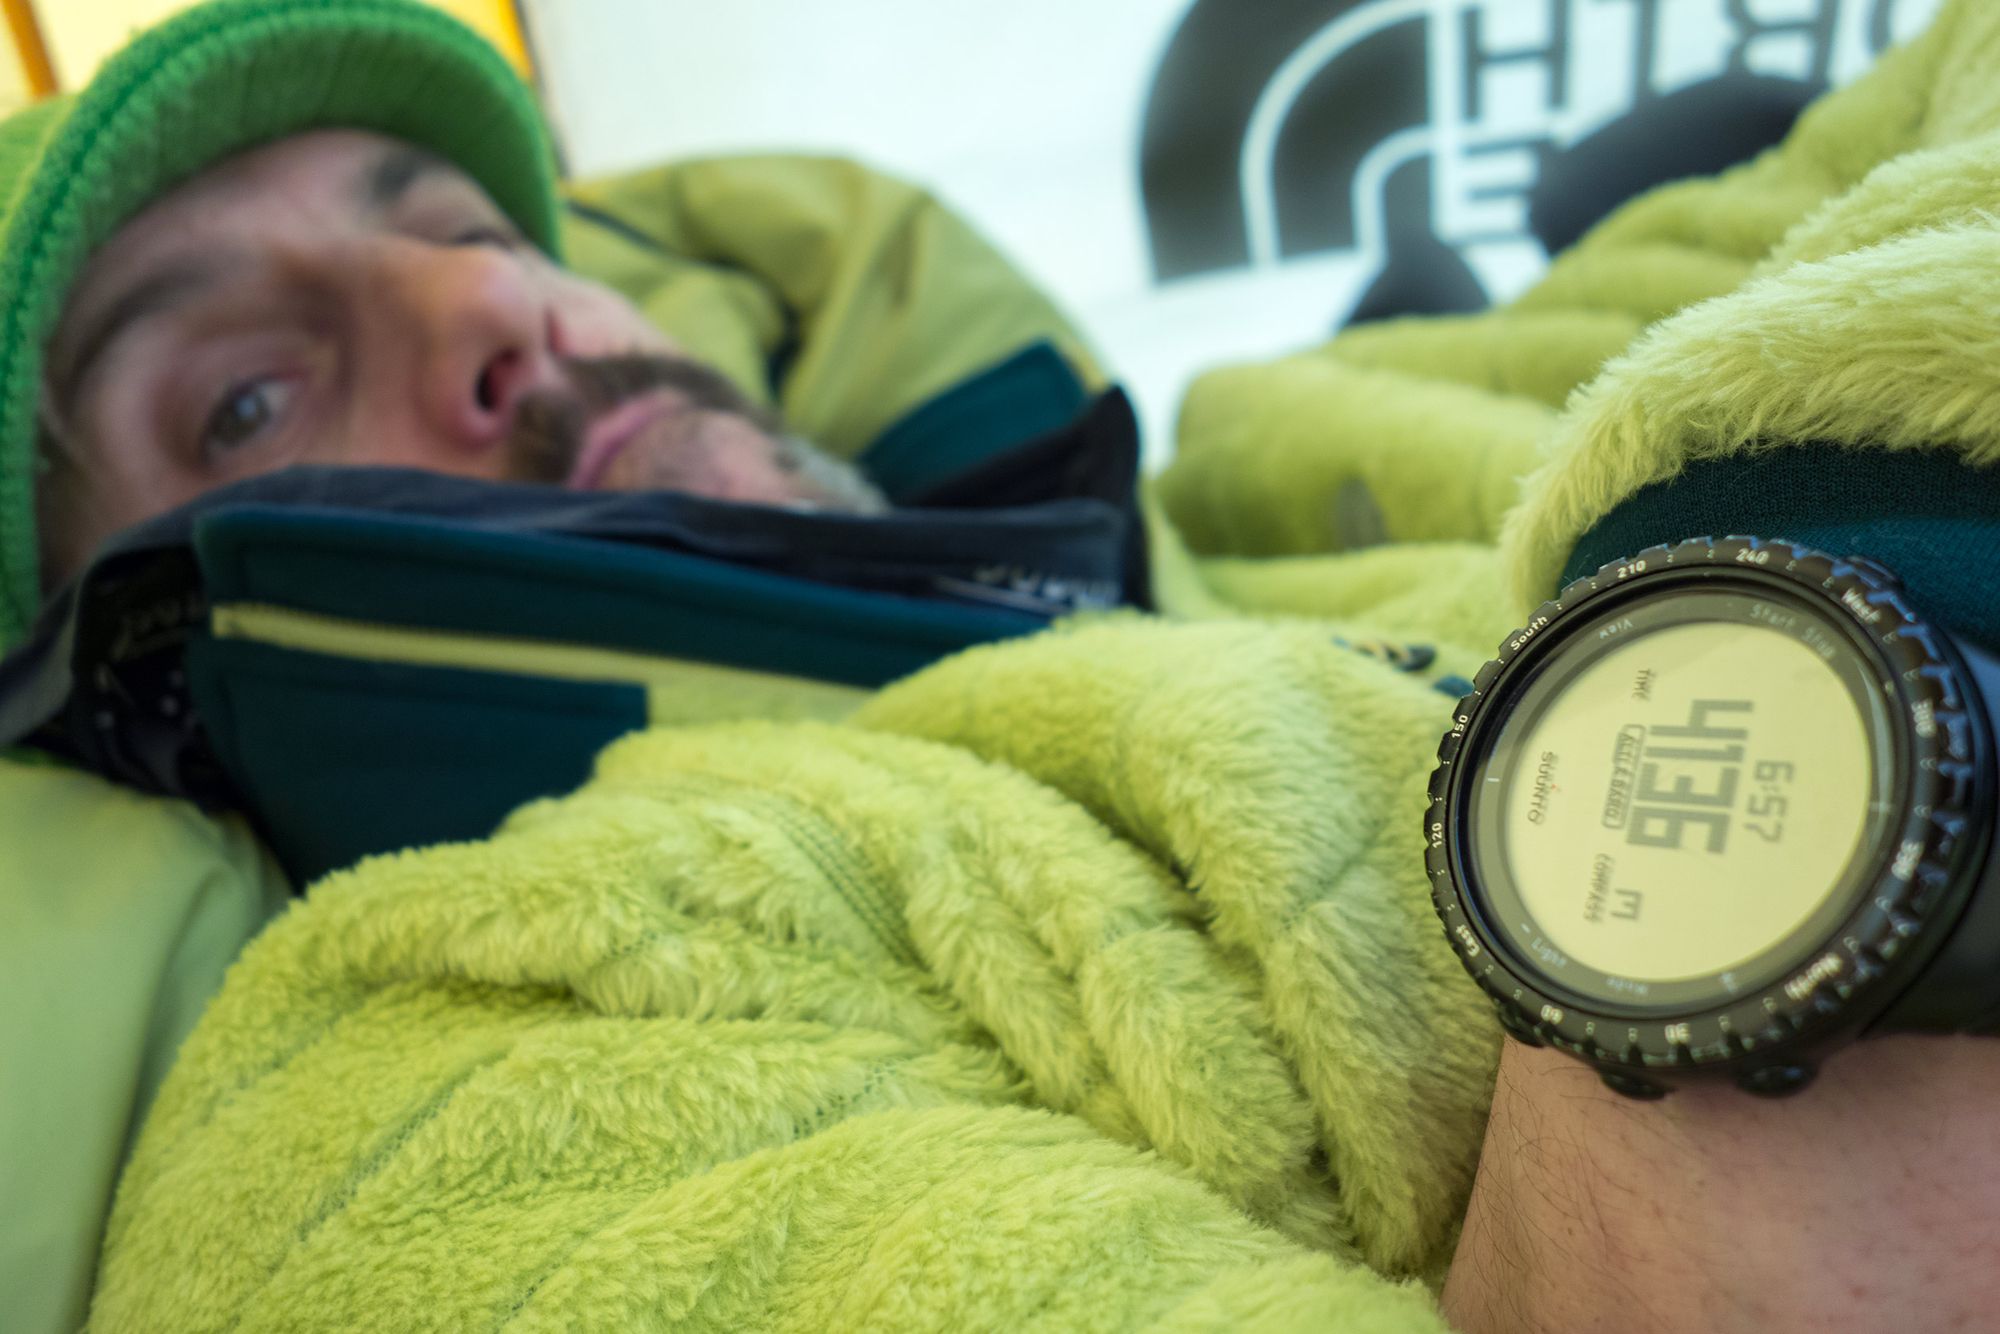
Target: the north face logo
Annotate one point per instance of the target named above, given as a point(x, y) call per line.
point(1287, 128)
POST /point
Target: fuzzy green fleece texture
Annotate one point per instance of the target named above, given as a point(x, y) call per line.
point(1839, 289)
point(1077, 985)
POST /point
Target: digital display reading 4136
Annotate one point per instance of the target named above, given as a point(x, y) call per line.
point(1681, 781)
point(1647, 800)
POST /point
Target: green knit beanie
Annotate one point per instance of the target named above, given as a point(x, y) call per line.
point(214, 81)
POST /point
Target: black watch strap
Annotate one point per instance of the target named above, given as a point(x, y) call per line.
point(1959, 991)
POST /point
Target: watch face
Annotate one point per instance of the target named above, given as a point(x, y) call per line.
point(1686, 799)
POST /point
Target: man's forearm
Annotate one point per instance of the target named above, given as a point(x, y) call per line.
point(1864, 1203)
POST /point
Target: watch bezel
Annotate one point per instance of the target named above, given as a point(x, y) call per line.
point(1834, 988)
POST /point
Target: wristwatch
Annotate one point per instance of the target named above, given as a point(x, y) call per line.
point(1719, 809)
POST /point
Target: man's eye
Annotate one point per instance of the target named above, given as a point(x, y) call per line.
point(498, 237)
point(245, 413)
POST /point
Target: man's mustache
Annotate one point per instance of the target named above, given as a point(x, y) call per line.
point(550, 425)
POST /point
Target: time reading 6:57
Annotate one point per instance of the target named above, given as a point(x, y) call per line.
point(1768, 802)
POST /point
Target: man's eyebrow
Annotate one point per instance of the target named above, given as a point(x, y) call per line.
point(395, 173)
point(151, 297)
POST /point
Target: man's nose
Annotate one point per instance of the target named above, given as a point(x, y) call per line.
point(478, 332)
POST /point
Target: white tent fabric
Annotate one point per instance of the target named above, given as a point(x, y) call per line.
point(1199, 181)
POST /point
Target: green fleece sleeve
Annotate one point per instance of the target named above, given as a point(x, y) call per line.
point(1866, 333)
point(885, 295)
point(118, 916)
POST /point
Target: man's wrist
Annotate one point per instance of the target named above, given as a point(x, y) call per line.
point(1863, 1203)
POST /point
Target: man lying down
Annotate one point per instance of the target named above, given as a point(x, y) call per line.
point(1136, 973)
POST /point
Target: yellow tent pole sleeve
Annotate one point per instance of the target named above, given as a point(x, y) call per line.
point(29, 47)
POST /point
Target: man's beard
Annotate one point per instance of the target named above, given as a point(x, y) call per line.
point(550, 426)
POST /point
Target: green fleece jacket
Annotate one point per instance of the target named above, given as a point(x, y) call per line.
point(1087, 981)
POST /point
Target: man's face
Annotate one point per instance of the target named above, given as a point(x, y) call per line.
point(341, 298)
